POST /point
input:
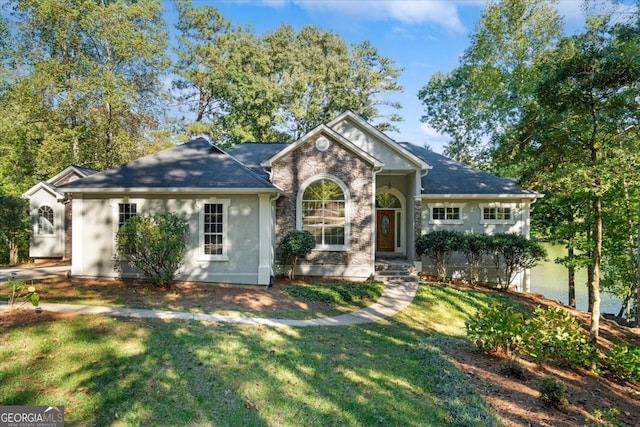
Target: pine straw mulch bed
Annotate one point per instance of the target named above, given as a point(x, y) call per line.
point(515, 400)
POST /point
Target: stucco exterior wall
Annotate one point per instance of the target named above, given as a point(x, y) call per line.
point(51, 245)
point(94, 251)
point(306, 162)
point(471, 222)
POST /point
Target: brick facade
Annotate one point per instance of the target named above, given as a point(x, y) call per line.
point(306, 162)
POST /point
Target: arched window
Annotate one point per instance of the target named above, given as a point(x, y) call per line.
point(323, 211)
point(45, 220)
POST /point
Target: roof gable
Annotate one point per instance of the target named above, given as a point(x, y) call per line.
point(323, 129)
point(376, 143)
point(195, 165)
point(43, 186)
point(69, 173)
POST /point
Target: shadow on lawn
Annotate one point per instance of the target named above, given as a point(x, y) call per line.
point(150, 372)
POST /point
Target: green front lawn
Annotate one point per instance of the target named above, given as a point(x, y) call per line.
point(114, 371)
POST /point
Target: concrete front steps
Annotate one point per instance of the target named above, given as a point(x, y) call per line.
point(395, 270)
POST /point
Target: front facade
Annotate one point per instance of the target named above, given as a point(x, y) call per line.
point(361, 194)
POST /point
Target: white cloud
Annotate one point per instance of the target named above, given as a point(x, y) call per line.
point(443, 13)
point(436, 140)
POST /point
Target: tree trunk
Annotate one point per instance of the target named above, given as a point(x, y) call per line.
point(13, 251)
point(571, 270)
point(595, 281)
point(638, 279)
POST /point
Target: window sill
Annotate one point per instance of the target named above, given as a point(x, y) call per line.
point(446, 222)
point(212, 258)
point(497, 222)
point(330, 248)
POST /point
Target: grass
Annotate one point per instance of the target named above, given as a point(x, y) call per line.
point(128, 372)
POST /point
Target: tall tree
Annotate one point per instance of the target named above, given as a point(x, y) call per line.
point(90, 71)
point(479, 100)
point(279, 85)
point(200, 53)
point(572, 131)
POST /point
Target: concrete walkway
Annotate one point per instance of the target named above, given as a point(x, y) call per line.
point(396, 297)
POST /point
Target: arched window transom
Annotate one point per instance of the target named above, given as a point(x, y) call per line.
point(323, 208)
point(45, 220)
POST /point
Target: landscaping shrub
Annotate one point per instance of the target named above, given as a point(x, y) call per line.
point(19, 291)
point(438, 246)
point(623, 360)
point(155, 245)
point(512, 254)
point(511, 368)
point(296, 244)
point(554, 335)
point(553, 393)
point(474, 246)
point(546, 335)
point(14, 229)
point(499, 327)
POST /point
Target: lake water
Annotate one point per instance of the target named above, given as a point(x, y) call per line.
point(550, 279)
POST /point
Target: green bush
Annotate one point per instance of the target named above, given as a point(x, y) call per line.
point(546, 335)
point(296, 244)
point(512, 254)
point(155, 245)
point(438, 246)
point(499, 327)
point(623, 360)
point(554, 335)
point(606, 418)
point(511, 368)
point(19, 291)
point(474, 246)
point(553, 393)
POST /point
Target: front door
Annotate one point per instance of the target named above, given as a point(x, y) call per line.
point(386, 230)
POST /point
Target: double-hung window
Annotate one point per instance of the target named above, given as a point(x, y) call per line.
point(213, 229)
point(126, 211)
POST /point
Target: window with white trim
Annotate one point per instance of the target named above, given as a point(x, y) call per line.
point(45, 221)
point(126, 211)
point(446, 213)
point(323, 207)
point(497, 213)
point(213, 230)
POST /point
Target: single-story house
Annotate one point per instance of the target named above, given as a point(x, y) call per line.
point(360, 193)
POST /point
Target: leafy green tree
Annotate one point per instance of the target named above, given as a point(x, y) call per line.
point(278, 86)
point(478, 100)
point(583, 117)
point(155, 245)
point(296, 244)
point(14, 225)
point(85, 84)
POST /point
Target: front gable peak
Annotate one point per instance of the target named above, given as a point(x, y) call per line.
point(323, 136)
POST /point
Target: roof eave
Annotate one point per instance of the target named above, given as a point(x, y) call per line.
point(183, 190)
point(518, 196)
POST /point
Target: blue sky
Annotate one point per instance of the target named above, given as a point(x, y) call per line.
point(422, 36)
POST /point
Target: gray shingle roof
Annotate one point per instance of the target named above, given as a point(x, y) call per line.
point(251, 154)
point(451, 177)
point(195, 164)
